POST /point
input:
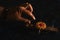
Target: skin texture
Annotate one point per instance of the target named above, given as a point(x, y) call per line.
point(28, 10)
point(14, 13)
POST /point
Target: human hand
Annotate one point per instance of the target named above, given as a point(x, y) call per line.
point(27, 10)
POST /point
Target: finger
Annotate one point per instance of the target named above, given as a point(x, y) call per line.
point(20, 18)
point(27, 12)
point(29, 7)
point(28, 21)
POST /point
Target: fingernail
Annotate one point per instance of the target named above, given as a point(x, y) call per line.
point(34, 18)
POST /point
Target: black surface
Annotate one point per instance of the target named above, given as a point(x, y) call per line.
point(47, 11)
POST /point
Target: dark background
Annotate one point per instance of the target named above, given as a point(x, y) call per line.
point(44, 10)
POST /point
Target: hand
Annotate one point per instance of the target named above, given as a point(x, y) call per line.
point(27, 11)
